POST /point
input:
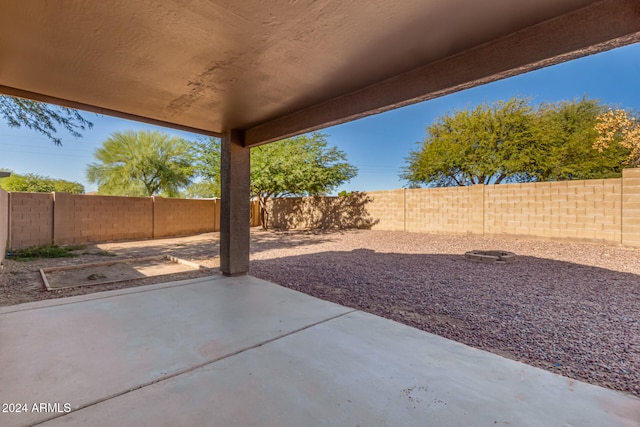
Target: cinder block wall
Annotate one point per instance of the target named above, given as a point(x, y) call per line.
point(321, 212)
point(606, 211)
point(182, 217)
point(82, 219)
point(444, 210)
point(602, 211)
point(585, 210)
point(31, 219)
point(4, 223)
point(631, 207)
point(290, 213)
point(387, 209)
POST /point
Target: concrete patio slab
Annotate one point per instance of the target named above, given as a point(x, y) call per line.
point(105, 344)
point(241, 351)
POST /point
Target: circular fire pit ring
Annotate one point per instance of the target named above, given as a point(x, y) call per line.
point(490, 256)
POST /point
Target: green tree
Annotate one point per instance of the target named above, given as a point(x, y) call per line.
point(206, 165)
point(510, 141)
point(34, 183)
point(301, 166)
point(201, 190)
point(41, 117)
point(142, 163)
point(489, 144)
point(565, 136)
point(62, 186)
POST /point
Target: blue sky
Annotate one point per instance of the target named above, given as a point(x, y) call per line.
point(377, 145)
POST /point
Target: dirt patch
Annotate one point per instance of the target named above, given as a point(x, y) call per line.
point(113, 271)
point(21, 281)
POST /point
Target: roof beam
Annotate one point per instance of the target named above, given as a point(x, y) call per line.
point(600, 26)
point(5, 90)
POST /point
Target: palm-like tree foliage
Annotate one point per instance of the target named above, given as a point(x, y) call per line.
point(144, 163)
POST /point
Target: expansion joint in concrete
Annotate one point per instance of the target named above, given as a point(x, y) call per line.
point(195, 367)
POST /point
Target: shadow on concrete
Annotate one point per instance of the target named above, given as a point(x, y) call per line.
point(575, 320)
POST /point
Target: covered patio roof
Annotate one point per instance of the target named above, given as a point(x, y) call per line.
point(277, 68)
point(254, 71)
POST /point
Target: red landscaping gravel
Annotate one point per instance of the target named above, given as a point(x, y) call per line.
point(570, 308)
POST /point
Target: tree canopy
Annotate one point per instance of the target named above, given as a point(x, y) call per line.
point(42, 117)
point(511, 141)
point(206, 165)
point(33, 183)
point(618, 128)
point(144, 163)
point(565, 135)
point(305, 165)
point(485, 145)
point(300, 166)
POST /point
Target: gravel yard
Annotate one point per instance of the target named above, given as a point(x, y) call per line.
point(570, 308)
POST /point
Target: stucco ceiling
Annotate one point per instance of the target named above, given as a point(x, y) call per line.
point(280, 67)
